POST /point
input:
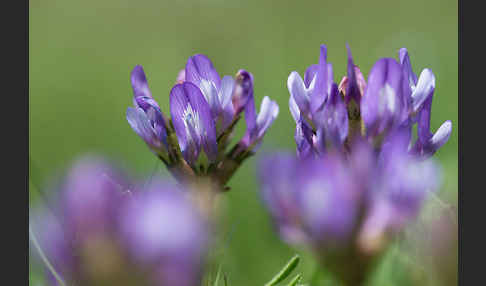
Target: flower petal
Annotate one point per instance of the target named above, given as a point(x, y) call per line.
point(428, 148)
point(226, 91)
point(303, 139)
point(181, 76)
point(158, 123)
point(407, 67)
point(297, 90)
point(322, 85)
point(193, 124)
point(423, 126)
point(268, 113)
point(425, 88)
point(200, 67)
point(333, 117)
point(141, 92)
point(352, 87)
point(294, 109)
point(140, 123)
point(382, 103)
point(225, 98)
point(243, 90)
point(442, 135)
point(310, 75)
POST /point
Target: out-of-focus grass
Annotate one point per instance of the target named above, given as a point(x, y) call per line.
point(81, 54)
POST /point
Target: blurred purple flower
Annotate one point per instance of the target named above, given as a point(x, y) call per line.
point(165, 232)
point(345, 206)
point(311, 201)
point(92, 191)
point(104, 232)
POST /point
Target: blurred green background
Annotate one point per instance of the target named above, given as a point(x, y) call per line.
point(81, 54)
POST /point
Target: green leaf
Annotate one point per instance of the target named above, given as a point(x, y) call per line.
point(285, 272)
point(296, 280)
point(216, 280)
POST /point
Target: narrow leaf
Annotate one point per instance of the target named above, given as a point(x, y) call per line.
point(44, 258)
point(296, 280)
point(285, 272)
point(216, 281)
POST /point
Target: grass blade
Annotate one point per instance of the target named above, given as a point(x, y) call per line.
point(296, 280)
point(44, 258)
point(285, 272)
point(218, 274)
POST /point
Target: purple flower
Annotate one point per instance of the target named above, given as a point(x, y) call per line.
point(92, 191)
point(308, 95)
point(257, 125)
point(357, 178)
point(354, 84)
point(311, 201)
point(103, 232)
point(217, 92)
point(317, 108)
point(305, 139)
point(385, 103)
point(83, 218)
point(394, 99)
point(204, 111)
point(243, 90)
point(397, 196)
point(332, 120)
point(421, 88)
point(194, 127)
point(427, 143)
point(163, 231)
point(422, 93)
point(146, 118)
point(345, 206)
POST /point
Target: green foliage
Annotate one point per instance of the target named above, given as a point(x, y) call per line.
point(285, 272)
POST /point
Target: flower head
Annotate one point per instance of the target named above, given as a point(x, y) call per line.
point(346, 207)
point(392, 99)
point(357, 178)
point(204, 110)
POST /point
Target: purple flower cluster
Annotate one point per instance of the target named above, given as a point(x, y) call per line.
point(104, 231)
point(322, 201)
point(347, 207)
point(204, 109)
point(358, 177)
point(393, 99)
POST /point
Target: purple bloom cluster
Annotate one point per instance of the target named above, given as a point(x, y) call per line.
point(204, 109)
point(324, 201)
point(358, 177)
point(346, 208)
point(393, 99)
point(104, 231)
